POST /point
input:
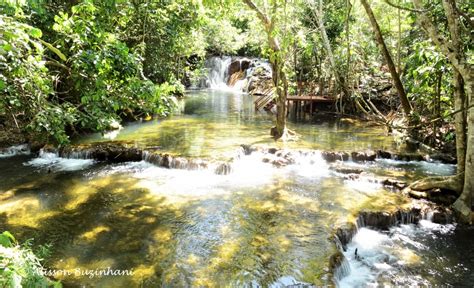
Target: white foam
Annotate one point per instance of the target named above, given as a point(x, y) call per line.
point(15, 150)
point(379, 253)
point(372, 258)
point(52, 161)
point(311, 165)
point(287, 281)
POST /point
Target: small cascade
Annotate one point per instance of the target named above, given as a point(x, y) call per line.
point(384, 220)
point(14, 150)
point(223, 168)
point(54, 161)
point(167, 161)
point(343, 270)
point(368, 246)
point(76, 154)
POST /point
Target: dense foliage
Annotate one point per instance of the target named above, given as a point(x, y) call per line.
point(81, 77)
point(19, 266)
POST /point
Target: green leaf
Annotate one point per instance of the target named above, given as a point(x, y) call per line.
point(2, 85)
point(35, 32)
point(54, 49)
point(7, 239)
point(7, 47)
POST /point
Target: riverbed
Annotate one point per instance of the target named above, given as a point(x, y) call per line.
point(259, 225)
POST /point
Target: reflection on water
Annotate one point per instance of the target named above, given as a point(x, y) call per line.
point(215, 123)
point(259, 225)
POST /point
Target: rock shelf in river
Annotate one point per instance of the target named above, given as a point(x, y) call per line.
point(118, 152)
point(382, 220)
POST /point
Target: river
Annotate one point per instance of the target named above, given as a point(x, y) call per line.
point(260, 225)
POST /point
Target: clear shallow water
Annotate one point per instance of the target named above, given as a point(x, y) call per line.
point(260, 225)
point(214, 124)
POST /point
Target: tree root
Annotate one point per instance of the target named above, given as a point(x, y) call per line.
point(287, 135)
point(453, 183)
point(464, 211)
point(430, 186)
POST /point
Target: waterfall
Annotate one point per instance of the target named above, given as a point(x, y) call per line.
point(238, 74)
point(217, 76)
point(343, 270)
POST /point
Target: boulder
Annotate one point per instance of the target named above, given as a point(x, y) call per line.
point(384, 154)
point(238, 65)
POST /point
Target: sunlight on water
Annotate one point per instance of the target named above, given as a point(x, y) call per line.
point(215, 123)
point(265, 223)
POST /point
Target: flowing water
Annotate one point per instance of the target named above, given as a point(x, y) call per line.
point(257, 226)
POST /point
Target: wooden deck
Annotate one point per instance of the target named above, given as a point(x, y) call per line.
point(298, 101)
point(308, 98)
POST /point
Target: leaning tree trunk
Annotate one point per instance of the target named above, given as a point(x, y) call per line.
point(464, 203)
point(386, 54)
point(327, 46)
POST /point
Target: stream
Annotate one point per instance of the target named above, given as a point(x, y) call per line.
point(258, 226)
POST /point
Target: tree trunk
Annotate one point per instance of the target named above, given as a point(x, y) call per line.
point(327, 46)
point(281, 87)
point(464, 203)
point(279, 77)
point(460, 121)
point(460, 102)
point(399, 42)
point(386, 54)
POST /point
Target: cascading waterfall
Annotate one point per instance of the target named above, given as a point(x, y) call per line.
point(217, 76)
point(218, 73)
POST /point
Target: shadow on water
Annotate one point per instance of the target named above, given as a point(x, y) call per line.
point(109, 225)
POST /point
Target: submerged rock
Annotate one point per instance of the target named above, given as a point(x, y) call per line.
point(408, 157)
point(363, 156)
point(398, 184)
point(441, 215)
point(347, 170)
point(103, 152)
point(334, 156)
point(223, 168)
point(345, 233)
point(382, 154)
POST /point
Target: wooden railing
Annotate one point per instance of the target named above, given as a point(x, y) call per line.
point(263, 100)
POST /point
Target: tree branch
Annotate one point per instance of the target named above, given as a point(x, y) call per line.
point(260, 14)
point(405, 8)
